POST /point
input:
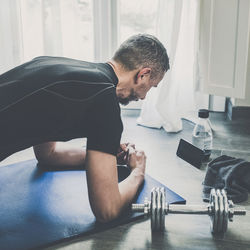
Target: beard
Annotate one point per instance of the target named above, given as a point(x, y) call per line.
point(125, 101)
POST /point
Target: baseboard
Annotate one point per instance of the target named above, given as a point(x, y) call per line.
point(237, 112)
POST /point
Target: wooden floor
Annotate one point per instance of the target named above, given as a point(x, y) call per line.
point(182, 231)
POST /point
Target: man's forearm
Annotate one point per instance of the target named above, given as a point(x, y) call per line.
point(128, 187)
point(108, 198)
point(70, 156)
point(57, 154)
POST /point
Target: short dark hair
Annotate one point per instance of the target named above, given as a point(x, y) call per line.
point(143, 50)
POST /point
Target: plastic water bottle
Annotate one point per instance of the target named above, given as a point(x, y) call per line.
point(202, 134)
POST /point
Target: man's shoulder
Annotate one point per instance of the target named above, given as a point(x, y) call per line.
point(60, 62)
point(73, 69)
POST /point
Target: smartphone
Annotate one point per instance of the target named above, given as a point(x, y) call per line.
point(189, 153)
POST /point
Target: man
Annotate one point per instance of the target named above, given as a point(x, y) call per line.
point(53, 99)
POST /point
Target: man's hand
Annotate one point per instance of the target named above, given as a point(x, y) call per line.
point(137, 161)
point(122, 155)
point(133, 158)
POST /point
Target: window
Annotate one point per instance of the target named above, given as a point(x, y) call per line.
point(57, 28)
point(137, 17)
point(77, 29)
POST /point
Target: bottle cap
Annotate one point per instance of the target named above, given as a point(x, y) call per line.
point(203, 113)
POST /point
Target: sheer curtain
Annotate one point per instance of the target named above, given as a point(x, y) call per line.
point(31, 28)
point(176, 96)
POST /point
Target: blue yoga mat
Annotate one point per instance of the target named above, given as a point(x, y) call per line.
point(39, 207)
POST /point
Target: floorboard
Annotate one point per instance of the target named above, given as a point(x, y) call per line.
point(182, 231)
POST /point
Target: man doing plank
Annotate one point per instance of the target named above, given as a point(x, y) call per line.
point(52, 99)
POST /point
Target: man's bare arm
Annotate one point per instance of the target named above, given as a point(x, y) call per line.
point(107, 197)
point(51, 153)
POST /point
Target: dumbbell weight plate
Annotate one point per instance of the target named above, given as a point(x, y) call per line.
point(158, 210)
point(226, 208)
point(163, 205)
point(153, 209)
point(220, 214)
point(158, 203)
point(215, 210)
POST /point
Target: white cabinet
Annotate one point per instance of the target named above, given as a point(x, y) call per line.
point(224, 42)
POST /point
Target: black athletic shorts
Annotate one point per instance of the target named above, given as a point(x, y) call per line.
point(59, 99)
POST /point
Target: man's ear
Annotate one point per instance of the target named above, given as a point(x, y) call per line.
point(144, 72)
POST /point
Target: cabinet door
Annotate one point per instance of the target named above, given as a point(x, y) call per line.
point(224, 41)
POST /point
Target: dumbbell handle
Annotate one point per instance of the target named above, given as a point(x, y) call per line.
point(186, 209)
point(198, 209)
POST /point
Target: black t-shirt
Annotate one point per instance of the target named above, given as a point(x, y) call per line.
point(58, 99)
